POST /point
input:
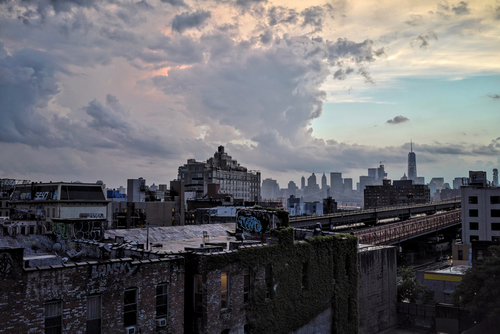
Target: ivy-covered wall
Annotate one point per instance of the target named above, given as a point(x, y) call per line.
point(307, 278)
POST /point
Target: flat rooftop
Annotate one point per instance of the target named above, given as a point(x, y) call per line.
point(178, 238)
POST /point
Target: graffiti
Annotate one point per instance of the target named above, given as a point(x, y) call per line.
point(92, 215)
point(257, 221)
point(63, 230)
point(5, 264)
point(250, 224)
point(119, 268)
point(92, 230)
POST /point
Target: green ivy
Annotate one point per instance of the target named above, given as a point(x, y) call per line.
point(308, 277)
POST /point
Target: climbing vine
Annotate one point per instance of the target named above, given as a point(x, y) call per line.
point(307, 278)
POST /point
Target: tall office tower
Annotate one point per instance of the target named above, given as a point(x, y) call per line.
point(336, 184)
point(495, 177)
point(323, 181)
point(270, 189)
point(347, 184)
point(303, 183)
point(412, 165)
point(372, 172)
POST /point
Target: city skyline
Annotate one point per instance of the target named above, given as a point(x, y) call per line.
point(115, 90)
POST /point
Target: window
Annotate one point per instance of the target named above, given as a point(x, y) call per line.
point(53, 317)
point(495, 212)
point(198, 293)
point(460, 254)
point(130, 310)
point(94, 315)
point(246, 285)
point(474, 226)
point(473, 238)
point(161, 300)
point(495, 226)
point(473, 213)
point(494, 199)
point(53, 212)
point(223, 290)
point(472, 199)
point(269, 281)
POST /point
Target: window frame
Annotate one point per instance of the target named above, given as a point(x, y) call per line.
point(135, 310)
point(495, 226)
point(473, 200)
point(90, 319)
point(473, 213)
point(494, 200)
point(474, 227)
point(55, 328)
point(162, 304)
point(224, 290)
point(495, 213)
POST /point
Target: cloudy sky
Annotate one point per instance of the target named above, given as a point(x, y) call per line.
point(117, 89)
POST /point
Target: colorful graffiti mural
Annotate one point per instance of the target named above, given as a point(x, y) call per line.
point(257, 221)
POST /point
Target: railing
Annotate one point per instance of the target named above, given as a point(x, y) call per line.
point(356, 212)
point(406, 229)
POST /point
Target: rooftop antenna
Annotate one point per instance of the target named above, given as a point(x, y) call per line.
point(411, 145)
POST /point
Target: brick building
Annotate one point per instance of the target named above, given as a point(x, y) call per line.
point(399, 193)
point(107, 296)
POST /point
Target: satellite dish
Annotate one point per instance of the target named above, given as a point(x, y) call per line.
point(56, 247)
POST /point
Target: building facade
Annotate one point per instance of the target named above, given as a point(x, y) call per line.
point(412, 165)
point(399, 193)
point(222, 169)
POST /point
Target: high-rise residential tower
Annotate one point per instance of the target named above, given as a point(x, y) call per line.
point(412, 164)
point(495, 177)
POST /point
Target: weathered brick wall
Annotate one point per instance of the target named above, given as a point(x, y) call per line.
point(23, 295)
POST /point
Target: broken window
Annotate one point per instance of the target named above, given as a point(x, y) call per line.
point(53, 317)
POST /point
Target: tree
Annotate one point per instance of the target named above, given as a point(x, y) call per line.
point(410, 289)
point(479, 290)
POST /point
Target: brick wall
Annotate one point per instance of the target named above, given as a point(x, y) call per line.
point(24, 293)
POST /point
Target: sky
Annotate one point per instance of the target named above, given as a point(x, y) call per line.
point(117, 89)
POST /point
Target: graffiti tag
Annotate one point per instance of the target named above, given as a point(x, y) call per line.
point(92, 230)
point(119, 268)
point(250, 224)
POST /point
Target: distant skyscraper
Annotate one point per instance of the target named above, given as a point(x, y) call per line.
point(372, 172)
point(323, 181)
point(336, 184)
point(412, 164)
point(303, 183)
point(495, 177)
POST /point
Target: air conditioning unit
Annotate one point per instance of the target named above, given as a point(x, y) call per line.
point(130, 330)
point(161, 322)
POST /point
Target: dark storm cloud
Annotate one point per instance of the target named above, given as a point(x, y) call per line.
point(397, 120)
point(494, 96)
point(423, 40)
point(27, 83)
point(109, 116)
point(266, 37)
point(282, 15)
point(313, 16)
point(187, 20)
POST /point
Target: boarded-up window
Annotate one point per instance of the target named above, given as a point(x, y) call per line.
point(224, 290)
